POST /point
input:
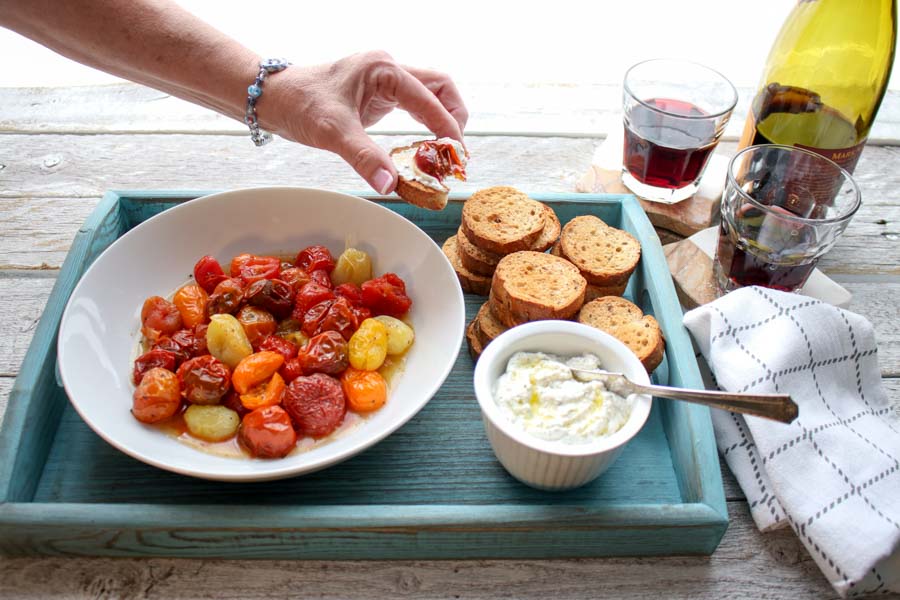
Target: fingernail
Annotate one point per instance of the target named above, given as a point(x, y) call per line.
point(383, 181)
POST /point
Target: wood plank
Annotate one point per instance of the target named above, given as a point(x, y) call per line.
point(587, 110)
point(746, 564)
point(76, 166)
point(77, 170)
point(22, 300)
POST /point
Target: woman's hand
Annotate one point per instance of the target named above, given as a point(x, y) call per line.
point(329, 107)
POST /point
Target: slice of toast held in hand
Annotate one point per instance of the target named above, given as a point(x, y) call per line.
point(502, 220)
point(533, 286)
point(628, 323)
point(468, 281)
point(427, 189)
point(606, 256)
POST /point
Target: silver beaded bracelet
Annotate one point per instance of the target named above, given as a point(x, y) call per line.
point(254, 91)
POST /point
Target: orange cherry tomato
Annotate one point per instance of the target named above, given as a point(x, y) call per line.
point(191, 303)
point(159, 317)
point(250, 267)
point(265, 394)
point(365, 390)
point(267, 432)
point(257, 324)
point(254, 370)
point(157, 396)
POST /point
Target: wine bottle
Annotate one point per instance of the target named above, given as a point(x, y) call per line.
point(825, 78)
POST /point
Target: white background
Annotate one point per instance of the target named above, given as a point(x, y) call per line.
point(553, 41)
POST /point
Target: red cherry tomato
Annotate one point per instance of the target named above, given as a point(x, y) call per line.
point(268, 433)
point(324, 353)
point(204, 380)
point(272, 295)
point(257, 323)
point(200, 348)
point(350, 291)
point(156, 397)
point(321, 277)
point(295, 277)
point(176, 348)
point(316, 404)
point(310, 294)
point(151, 360)
point(331, 315)
point(291, 369)
point(232, 400)
point(159, 317)
point(386, 295)
point(208, 273)
point(315, 257)
point(226, 298)
point(250, 267)
point(274, 343)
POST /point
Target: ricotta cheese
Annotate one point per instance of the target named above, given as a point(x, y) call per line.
point(539, 394)
point(406, 165)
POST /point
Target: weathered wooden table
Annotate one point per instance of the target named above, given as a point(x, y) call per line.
point(61, 149)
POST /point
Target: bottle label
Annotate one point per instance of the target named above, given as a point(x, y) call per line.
point(845, 157)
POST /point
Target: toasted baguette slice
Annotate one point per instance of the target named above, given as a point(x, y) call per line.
point(625, 321)
point(472, 341)
point(487, 326)
point(595, 291)
point(531, 286)
point(550, 233)
point(469, 281)
point(474, 258)
point(502, 220)
point(606, 256)
point(416, 192)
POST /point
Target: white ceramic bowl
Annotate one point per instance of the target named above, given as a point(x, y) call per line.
point(100, 328)
point(554, 465)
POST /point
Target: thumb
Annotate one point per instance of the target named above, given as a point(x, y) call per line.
point(368, 159)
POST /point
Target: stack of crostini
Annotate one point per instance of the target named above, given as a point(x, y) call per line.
point(500, 252)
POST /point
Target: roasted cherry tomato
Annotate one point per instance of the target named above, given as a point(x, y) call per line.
point(232, 400)
point(265, 394)
point(321, 277)
point(159, 317)
point(316, 404)
point(331, 315)
point(150, 360)
point(226, 298)
point(255, 369)
point(386, 295)
point(156, 397)
point(291, 369)
point(257, 323)
point(325, 353)
point(200, 347)
point(353, 266)
point(350, 291)
point(204, 380)
point(294, 277)
point(365, 390)
point(367, 348)
point(250, 267)
point(310, 294)
point(315, 257)
point(179, 348)
point(272, 295)
point(280, 345)
point(191, 303)
point(267, 432)
point(208, 273)
point(361, 313)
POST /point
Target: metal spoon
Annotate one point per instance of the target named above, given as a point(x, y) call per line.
point(778, 407)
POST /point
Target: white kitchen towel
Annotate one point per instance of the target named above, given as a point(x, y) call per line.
point(833, 474)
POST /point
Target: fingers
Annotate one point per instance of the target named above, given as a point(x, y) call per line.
point(399, 85)
point(367, 158)
point(446, 92)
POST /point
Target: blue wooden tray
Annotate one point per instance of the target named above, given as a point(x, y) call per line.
point(433, 489)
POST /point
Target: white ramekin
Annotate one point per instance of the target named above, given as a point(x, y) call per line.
point(540, 463)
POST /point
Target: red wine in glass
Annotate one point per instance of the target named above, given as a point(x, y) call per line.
point(737, 266)
point(664, 146)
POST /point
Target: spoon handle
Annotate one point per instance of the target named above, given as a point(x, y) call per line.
point(778, 407)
